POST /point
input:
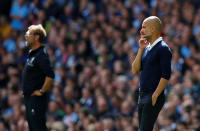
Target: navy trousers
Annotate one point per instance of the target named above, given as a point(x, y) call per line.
point(146, 112)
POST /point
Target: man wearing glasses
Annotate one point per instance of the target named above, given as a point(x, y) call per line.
point(37, 78)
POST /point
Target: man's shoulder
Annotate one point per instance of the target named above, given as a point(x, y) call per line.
point(164, 46)
point(42, 51)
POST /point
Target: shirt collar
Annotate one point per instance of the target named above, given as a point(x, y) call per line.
point(154, 43)
point(31, 52)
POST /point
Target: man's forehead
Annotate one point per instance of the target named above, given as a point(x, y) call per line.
point(148, 22)
point(28, 32)
point(144, 23)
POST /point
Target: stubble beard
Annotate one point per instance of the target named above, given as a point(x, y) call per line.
point(147, 37)
point(28, 44)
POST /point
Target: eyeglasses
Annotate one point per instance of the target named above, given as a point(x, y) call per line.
point(28, 33)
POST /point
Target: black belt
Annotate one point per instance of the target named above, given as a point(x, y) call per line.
point(145, 92)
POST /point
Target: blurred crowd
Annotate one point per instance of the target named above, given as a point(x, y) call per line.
point(91, 45)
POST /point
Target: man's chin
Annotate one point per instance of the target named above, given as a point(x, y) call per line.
point(27, 44)
point(145, 36)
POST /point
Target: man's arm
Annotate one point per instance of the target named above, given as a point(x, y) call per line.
point(136, 65)
point(161, 86)
point(46, 85)
point(44, 65)
point(165, 56)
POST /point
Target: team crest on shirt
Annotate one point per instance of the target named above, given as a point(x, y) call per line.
point(30, 61)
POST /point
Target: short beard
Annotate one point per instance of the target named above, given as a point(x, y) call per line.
point(28, 44)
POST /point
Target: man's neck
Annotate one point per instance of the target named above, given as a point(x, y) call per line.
point(154, 38)
point(35, 46)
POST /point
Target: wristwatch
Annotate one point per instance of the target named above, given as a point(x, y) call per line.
point(41, 91)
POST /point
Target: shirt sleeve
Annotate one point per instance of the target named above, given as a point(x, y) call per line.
point(165, 62)
point(45, 66)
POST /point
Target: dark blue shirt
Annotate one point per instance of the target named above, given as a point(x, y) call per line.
point(156, 64)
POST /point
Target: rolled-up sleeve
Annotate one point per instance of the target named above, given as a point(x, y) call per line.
point(45, 66)
point(165, 62)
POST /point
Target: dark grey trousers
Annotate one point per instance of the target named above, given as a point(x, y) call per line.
point(35, 112)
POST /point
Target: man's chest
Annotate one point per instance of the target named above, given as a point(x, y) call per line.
point(31, 61)
point(31, 65)
point(150, 57)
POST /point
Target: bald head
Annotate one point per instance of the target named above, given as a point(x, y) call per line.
point(154, 21)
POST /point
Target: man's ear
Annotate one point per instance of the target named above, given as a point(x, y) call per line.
point(153, 29)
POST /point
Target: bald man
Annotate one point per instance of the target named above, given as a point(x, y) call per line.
point(153, 62)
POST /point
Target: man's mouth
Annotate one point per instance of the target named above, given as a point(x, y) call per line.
point(143, 35)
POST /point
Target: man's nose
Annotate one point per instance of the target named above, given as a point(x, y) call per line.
point(141, 32)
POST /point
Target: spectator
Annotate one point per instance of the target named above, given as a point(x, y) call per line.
point(19, 12)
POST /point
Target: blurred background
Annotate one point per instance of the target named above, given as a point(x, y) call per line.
point(91, 44)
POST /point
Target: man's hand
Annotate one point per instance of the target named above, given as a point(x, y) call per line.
point(143, 43)
point(154, 98)
point(36, 93)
